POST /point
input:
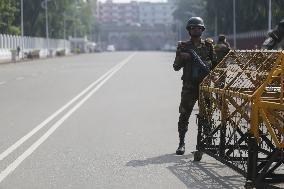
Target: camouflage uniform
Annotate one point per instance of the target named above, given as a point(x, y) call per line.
point(221, 48)
point(272, 44)
point(190, 88)
point(275, 38)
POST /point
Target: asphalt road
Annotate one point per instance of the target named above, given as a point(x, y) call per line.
point(106, 120)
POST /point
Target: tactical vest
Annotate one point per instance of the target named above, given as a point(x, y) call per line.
point(204, 51)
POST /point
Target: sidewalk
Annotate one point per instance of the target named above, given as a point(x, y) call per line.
point(8, 61)
point(5, 61)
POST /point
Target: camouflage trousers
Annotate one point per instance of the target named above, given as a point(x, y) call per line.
point(189, 96)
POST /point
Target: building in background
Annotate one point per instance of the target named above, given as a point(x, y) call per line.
point(136, 25)
point(156, 13)
point(117, 13)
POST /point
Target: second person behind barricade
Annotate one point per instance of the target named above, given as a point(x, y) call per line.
point(275, 39)
point(222, 47)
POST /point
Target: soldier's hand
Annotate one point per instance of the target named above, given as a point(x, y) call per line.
point(185, 56)
point(181, 45)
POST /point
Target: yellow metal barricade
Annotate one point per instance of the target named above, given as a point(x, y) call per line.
point(241, 119)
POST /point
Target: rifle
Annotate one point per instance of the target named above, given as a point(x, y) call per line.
point(200, 69)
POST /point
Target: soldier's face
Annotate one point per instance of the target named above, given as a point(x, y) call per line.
point(195, 31)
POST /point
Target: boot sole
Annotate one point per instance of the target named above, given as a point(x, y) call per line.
point(179, 153)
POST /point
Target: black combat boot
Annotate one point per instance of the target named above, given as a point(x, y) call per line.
point(181, 147)
point(182, 129)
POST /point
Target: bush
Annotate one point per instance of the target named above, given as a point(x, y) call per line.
point(60, 52)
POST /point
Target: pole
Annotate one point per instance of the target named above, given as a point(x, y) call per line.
point(64, 32)
point(22, 28)
point(216, 28)
point(234, 7)
point(269, 16)
point(179, 31)
point(46, 26)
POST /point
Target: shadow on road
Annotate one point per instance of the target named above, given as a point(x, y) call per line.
point(196, 175)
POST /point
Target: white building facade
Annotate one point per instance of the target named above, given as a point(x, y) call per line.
point(156, 13)
point(118, 13)
point(136, 25)
point(135, 12)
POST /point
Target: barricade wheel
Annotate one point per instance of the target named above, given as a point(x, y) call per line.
point(249, 185)
point(197, 156)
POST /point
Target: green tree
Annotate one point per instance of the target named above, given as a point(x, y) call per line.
point(250, 14)
point(278, 13)
point(8, 11)
point(76, 15)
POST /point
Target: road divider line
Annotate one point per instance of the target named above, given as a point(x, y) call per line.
point(45, 136)
point(54, 115)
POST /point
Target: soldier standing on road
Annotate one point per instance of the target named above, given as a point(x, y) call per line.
point(275, 38)
point(222, 47)
point(184, 59)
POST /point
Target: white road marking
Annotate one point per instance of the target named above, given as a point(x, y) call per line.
point(50, 118)
point(10, 168)
point(2, 82)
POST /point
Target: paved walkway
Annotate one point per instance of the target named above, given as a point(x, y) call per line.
point(3, 61)
point(6, 61)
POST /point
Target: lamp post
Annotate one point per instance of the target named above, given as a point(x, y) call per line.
point(77, 25)
point(22, 27)
point(234, 12)
point(46, 26)
point(179, 30)
point(216, 27)
point(64, 30)
point(269, 16)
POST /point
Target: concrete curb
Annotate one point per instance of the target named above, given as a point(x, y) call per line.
point(8, 61)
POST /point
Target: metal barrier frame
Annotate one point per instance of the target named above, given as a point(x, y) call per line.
point(241, 121)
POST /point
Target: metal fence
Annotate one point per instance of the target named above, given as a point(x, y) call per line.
point(248, 40)
point(10, 42)
point(241, 116)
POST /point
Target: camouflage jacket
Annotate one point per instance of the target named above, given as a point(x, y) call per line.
point(204, 50)
point(221, 50)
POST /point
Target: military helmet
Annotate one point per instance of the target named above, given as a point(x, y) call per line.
point(221, 37)
point(195, 21)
